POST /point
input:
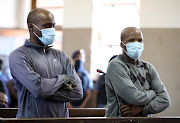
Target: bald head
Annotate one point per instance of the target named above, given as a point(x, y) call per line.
point(130, 31)
point(37, 20)
point(3, 99)
point(37, 15)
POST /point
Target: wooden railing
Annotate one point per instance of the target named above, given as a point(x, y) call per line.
point(73, 112)
point(92, 120)
point(83, 115)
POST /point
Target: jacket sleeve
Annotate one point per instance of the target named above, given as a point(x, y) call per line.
point(65, 95)
point(124, 87)
point(22, 71)
point(162, 99)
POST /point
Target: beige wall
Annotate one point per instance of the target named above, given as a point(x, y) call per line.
point(162, 50)
point(77, 38)
point(159, 13)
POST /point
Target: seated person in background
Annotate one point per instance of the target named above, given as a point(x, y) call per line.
point(100, 89)
point(2, 87)
point(3, 82)
point(137, 84)
point(87, 83)
point(45, 78)
point(12, 94)
point(3, 100)
point(10, 85)
point(101, 92)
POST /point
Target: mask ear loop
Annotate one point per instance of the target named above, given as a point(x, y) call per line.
point(36, 28)
point(35, 34)
point(123, 48)
point(123, 43)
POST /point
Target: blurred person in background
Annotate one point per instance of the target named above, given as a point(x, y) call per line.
point(3, 100)
point(101, 98)
point(78, 57)
point(3, 82)
point(8, 82)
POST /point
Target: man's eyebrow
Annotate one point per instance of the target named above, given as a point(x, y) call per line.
point(131, 39)
point(49, 24)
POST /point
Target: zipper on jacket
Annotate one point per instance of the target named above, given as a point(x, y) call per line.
point(44, 51)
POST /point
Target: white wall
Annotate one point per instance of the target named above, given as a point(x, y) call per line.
point(8, 13)
point(23, 8)
point(160, 14)
point(14, 13)
point(78, 13)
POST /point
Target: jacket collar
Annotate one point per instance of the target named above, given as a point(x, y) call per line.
point(139, 62)
point(28, 43)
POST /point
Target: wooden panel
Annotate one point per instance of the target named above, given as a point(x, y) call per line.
point(33, 5)
point(73, 112)
point(84, 115)
point(8, 112)
point(86, 112)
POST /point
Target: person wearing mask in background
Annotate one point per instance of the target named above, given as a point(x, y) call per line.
point(3, 82)
point(7, 80)
point(12, 94)
point(3, 96)
point(87, 83)
point(45, 78)
point(136, 83)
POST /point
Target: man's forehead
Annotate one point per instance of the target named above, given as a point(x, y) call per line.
point(43, 16)
point(131, 32)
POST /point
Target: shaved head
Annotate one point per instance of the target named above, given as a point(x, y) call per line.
point(3, 98)
point(37, 14)
point(37, 20)
point(129, 31)
point(131, 35)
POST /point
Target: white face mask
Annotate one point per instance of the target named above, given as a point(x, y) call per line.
point(48, 35)
point(134, 49)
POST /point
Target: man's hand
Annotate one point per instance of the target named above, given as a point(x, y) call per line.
point(130, 111)
point(125, 110)
point(69, 83)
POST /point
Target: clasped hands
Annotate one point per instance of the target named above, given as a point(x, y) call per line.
point(69, 83)
point(130, 111)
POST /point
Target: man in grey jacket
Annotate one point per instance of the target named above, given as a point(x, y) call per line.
point(45, 78)
point(139, 90)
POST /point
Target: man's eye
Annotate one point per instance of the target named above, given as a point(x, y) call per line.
point(47, 26)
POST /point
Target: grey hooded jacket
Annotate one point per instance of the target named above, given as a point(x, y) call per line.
point(39, 74)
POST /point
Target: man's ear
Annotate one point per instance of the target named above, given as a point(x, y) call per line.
point(121, 45)
point(30, 26)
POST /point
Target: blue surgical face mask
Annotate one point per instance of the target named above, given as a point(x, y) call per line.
point(0, 72)
point(134, 49)
point(79, 66)
point(48, 35)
